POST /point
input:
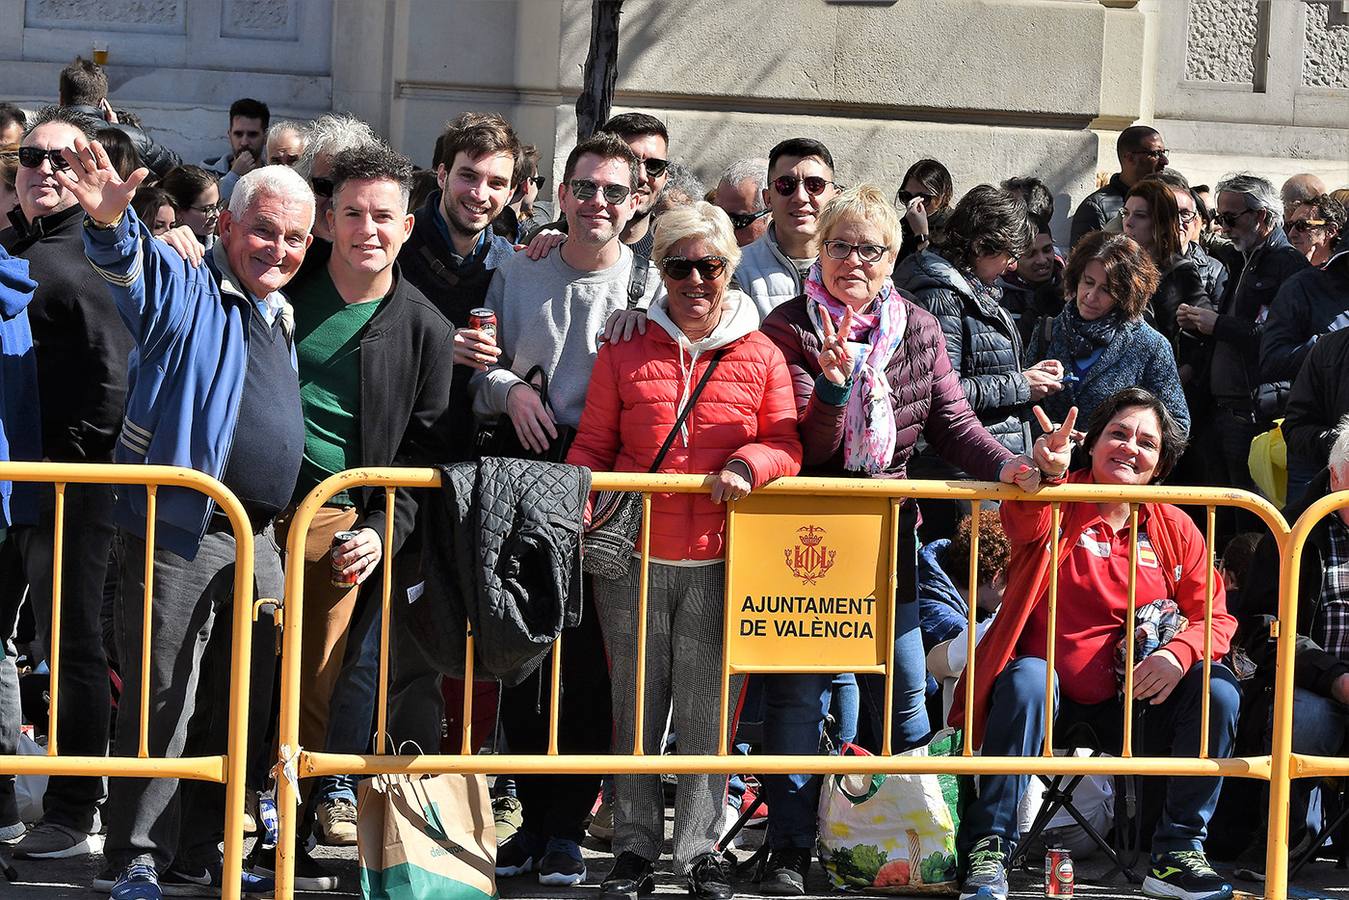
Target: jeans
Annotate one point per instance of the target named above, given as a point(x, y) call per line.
point(1320, 726)
point(85, 708)
point(1015, 727)
point(352, 707)
point(796, 706)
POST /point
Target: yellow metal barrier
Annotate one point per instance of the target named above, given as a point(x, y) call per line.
point(305, 763)
point(227, 769)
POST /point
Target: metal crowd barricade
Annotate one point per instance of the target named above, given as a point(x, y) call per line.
point(791, 508)
point(227, 769)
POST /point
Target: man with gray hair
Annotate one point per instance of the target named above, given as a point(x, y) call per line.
point(328, 136)
point(214, 387)
point(1321, 660)
point(1250, 212)
point(740, 194)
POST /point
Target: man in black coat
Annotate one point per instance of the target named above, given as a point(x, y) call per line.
point(1318, 401)
point(1141, 152)
point(82, 349)
point(84, 89)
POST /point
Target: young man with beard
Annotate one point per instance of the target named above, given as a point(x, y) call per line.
point(800, 183)
point(549, 313)
point(1032, 292)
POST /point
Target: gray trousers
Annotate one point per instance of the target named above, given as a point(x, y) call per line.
point(685, 612)
point(191, 635)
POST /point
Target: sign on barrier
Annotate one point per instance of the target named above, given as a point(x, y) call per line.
point(817, 594)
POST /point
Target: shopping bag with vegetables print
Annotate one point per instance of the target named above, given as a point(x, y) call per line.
point(890, 834)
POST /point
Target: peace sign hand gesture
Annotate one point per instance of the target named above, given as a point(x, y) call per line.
point(1054, 448)
point(95, 183)
point(834, 358)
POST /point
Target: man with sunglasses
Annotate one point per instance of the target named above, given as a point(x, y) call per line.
point(800, 183)
point(1141, 152)
point(82, 349)
point(550, 312)
point(740, 193)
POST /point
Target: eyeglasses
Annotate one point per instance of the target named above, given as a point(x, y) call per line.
point(867, 253)
point(679, 268)
point(32, 157)
point(655, 167)
point(744, 220)
point(1227, 220)
point(584, 189)
point(284, 159)
point(1152, 154)
point(538, 181)
point(815, 185)
point(208, 210)
point(1308, 225)
point(1187, 216)
point(906, 197)
point(323, 187)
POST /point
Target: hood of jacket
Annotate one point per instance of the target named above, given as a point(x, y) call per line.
point(934, 584)
point(739, 317)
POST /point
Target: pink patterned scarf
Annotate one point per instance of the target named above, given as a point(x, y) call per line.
point(869, 421)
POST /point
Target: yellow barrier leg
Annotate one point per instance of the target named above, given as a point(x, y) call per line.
point(237, 752)
point(1281, 745)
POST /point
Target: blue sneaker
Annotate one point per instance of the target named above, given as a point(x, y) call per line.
point(518, 854)
point(138, 881)
point(206, 881)
point(562, 863)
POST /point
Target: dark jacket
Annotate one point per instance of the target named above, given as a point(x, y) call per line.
point(155, 156)
point(1319, 398)
point(501, 541)
point(406, 363)
point(982, 343)
point(82, 344)
point(1033, 307)
point(925, 392)
point(1211, 270)
point(429, 265)
point(1137, 357)
point(1234, 370)
point(1182, 282)
point(1099, 207)
point(1314, 669)
point(942, 612)
point(20, 424)
point(1309, 304)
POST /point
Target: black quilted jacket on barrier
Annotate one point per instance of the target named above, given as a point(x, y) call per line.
point(501, 549)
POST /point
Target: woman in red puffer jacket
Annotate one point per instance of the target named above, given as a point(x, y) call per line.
point(741, 430)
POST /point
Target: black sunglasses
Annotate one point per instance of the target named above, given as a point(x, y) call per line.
point(907, 197)
point(679, 268)
point(322, 187)
point(786, 184)
point(584, 189)
point(1227, 220)
point(538, 181)
point(32, 157)
point(655, 167)
point(744, 220)
point(1306, 225)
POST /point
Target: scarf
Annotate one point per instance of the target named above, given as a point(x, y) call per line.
point(989, 295)
point(1087, 337)
point(869, 433)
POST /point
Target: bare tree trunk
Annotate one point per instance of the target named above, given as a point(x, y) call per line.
point(601, 69)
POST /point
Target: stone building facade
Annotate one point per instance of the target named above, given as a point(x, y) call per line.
point(990, 87)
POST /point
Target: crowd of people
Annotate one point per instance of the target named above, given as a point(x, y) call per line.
point(302, 304)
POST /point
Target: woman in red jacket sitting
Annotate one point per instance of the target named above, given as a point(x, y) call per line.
point(1132, 439)
point(741, 431)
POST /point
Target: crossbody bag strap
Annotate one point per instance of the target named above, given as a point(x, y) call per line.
point(688, 407)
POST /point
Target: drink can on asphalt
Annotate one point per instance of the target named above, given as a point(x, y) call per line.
point(337, 577)
point(1058, 873)
point(484, 320)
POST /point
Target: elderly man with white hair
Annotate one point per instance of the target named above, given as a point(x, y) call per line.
point(1321, 662)
point(215, 388)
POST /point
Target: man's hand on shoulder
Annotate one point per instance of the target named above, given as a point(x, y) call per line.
point(96, 184)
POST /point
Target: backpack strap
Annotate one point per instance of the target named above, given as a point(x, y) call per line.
point(637, 279)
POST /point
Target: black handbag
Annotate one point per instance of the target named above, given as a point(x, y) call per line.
point(497, 437)
point(616, 516)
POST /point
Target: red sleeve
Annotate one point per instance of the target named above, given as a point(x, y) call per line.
point(776, 452)
point(597, 437)
point(1188, 645)
point(1025, 521)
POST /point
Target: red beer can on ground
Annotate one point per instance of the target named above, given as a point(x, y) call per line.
point(1058, 873)
point(484, 320)
point(337, 578)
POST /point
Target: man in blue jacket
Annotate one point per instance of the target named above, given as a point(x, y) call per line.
point(213, 386)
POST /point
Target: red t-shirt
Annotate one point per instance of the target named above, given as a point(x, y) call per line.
point(1092, 607)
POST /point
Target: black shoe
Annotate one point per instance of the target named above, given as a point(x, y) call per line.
point(1185, 874)
point(785, 875)
point(986, 875)
point(630, 876)
point(708, 880)
point(309, 874)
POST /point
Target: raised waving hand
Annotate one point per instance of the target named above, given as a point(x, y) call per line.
point(95, 183)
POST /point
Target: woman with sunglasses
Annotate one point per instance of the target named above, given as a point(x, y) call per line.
point(871, 376)
point(959, 283)
point(924, 199)
point(197, 194)
point(701, 351)
point(1314, 228)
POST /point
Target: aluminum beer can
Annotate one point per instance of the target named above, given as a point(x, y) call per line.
point(1058, 873)
point(337, 578)
point(484, 320)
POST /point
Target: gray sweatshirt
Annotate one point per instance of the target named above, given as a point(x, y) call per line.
point(551, 315)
